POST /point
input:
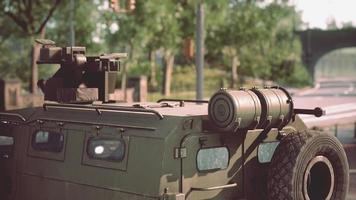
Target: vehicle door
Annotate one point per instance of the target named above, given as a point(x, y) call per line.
point(7, 162)
point(210, 167)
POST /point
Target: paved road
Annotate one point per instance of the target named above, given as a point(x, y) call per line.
point(338, 99)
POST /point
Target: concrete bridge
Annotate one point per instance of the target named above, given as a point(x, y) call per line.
point(316, 43)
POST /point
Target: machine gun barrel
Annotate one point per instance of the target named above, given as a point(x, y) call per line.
point(317, 112)
point(114, 56)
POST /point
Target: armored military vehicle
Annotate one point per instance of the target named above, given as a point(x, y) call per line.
point(241, 144)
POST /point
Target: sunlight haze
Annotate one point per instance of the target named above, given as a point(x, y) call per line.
point(316, 13)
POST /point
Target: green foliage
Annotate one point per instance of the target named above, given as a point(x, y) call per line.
point(21, 22)
point(185, 76)
point(142, 69)
point(30, 16)
point(14, 58)
point(261, 36)
point(152, 25)
point(87, 19)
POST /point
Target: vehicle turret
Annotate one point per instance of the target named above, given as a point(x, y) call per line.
point(80, 77)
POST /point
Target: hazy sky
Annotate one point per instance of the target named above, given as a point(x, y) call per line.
point(318, 12)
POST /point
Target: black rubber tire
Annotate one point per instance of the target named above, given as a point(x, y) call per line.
point(286, 174)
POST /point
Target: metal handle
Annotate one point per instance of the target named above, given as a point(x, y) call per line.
point(14, 115)
point(99, 108)
point(184, 100)
point(215, 187)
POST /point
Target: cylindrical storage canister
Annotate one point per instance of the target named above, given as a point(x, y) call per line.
point(277, 107)
point(230, 110)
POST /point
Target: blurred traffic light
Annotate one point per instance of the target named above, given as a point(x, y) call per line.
point(188, 48)
point(131, 5)
point(115, 5)
point(118, 7)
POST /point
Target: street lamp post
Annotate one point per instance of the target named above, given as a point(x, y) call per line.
point(199, 57)
point(71, 16)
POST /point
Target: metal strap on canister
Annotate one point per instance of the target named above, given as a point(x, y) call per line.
point(277, 107)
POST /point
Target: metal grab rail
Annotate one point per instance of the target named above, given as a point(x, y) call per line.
point(99, 108)
point(22, 118)
point(91, 123)
point(183, 100)
point(215, 187)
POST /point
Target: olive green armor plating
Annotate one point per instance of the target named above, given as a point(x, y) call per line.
point(81, 145)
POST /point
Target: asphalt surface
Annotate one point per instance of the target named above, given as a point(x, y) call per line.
point(351, 154)
point(338, 98)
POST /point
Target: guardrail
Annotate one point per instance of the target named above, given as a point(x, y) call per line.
point(336, 129)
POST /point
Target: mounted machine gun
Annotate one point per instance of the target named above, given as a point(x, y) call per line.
point(80, 77)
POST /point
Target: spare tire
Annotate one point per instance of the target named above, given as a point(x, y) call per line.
point(308, 165)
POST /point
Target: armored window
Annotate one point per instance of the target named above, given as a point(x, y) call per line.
point(6, 146)
point(48, 141)
point(266, 150)
point(104, 148)
point(213, 158)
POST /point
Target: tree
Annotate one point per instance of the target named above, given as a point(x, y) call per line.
point(31, 17)
point(13, 51)
point(242, 27)
point(282, 49)
point(257, 39)
point(152, 26)
point(88, 25)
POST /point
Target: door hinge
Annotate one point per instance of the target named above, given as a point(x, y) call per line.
point(180, 152)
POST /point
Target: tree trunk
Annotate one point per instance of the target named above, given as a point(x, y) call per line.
point(35, 53)
point(168, 69)
point(234, 76)
point(153, 71)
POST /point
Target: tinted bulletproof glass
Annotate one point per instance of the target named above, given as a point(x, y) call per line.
point(265, 151)
point(6, 145)
point(111, 149)
point(213, 158)
point(48, 141)
point(6, 141)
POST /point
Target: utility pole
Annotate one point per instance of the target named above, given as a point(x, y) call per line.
point(71, 16)
point(199, 56)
